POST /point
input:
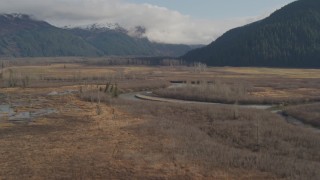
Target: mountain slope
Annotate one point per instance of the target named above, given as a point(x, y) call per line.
point(22, 36)
point(118, 42)
point(290, 37)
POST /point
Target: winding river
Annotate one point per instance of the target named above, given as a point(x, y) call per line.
point(146, 96)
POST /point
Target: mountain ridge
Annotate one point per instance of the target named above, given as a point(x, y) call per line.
point(24, 36)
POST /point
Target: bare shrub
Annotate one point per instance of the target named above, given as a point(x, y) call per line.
point(215, 92)
point(141, 85)
point(226, 91)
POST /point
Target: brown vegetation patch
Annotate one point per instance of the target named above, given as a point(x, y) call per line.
point(211, 137)
point(119, 139)
point(308, 113)
point(79, 143)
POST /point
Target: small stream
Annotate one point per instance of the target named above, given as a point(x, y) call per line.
point(139, 96)
point(298, 122)
point(142, 96)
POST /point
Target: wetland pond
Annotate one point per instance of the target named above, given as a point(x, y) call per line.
point(19, 111)
point(25, 109)
point(8, 113)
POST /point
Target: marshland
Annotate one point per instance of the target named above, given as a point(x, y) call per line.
point(78, 118)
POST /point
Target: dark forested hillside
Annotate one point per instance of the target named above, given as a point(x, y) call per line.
point(22, 36)
point(290, 37)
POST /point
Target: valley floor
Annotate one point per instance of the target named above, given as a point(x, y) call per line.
point(61, 123)
point(77, 143)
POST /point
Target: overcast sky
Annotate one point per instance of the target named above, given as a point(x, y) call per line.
point(168, 21)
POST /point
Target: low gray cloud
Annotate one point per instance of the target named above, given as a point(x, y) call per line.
point(162, 24)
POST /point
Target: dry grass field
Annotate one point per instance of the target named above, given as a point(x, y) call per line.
point(67, 127)
point(281, 84)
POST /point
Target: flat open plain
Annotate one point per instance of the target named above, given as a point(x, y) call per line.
point(58, 121)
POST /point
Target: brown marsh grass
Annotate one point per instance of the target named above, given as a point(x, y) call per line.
point(229, 92)
point(79, 143)
point(211, 137)
point(307, 113)
point(271, 85)
point(147, 140)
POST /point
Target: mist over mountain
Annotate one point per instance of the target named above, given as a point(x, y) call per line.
point(119, 41)
point(24, 36)
point(290, 37)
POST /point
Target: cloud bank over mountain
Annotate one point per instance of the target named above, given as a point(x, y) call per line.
point(162, 24)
